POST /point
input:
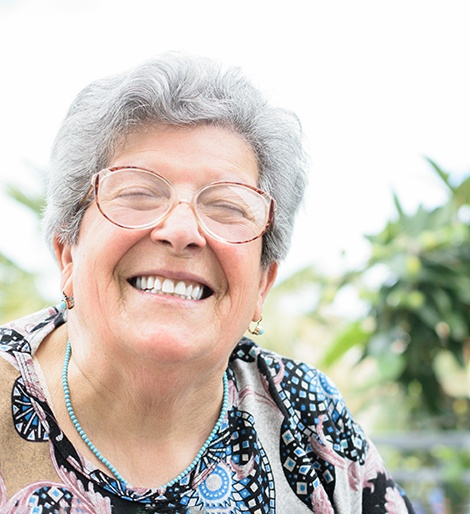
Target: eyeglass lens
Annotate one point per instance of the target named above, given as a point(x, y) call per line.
point(134, 198)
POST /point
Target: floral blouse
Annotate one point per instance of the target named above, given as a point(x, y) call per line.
point(287, 445)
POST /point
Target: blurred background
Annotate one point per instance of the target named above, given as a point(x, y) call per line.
point(376, 289)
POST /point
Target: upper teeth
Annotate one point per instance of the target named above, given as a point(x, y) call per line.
point(160, 285)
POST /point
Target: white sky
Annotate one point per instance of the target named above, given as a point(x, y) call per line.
point(378, 85)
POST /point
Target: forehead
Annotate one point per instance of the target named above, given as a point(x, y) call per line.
point(205, 150)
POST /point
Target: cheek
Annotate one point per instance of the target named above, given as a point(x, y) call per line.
point(98, 252)
point(100, 240)
point(241, 263)
point(242, 267)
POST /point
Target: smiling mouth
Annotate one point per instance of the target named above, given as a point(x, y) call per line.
point(165, 286)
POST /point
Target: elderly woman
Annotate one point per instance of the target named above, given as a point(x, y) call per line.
point(170, 204)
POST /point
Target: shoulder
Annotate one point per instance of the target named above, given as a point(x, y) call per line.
point(297, 380)
point(312, 406)
point(318, 436)
point(25, 334)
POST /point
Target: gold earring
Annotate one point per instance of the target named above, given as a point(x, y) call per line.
point(258, 329)
point(68, 302)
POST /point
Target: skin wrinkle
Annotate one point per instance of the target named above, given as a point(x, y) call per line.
point(217, 295)
point(152, 362)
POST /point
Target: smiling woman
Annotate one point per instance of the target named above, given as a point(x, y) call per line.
point(139, 391)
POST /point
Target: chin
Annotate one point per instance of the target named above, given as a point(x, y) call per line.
point(160, 347)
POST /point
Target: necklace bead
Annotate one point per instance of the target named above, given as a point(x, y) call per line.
point(94, 450)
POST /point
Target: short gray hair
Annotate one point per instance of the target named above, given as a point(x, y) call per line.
point(178, 90)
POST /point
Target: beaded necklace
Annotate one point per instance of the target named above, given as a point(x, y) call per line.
point(86, 440)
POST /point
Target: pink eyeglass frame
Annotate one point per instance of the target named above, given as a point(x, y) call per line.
point(95, 186)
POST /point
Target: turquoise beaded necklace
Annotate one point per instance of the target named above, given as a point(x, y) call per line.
point(86, 440)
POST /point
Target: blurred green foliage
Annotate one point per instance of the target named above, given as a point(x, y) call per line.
point(19, 294)
point(415, 327)
point(419, 313)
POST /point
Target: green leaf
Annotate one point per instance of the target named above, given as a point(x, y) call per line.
point(354, 335)
point(443, 174)
point(398, 206)
point(462, 192)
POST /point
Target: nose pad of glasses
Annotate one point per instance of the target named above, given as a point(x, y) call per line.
point(181, 227)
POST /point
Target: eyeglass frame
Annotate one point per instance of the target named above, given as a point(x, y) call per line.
point(94, 188)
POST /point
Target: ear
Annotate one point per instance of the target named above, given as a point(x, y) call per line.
point(63, 253)
point(268, 277)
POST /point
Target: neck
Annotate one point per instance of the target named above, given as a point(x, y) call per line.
point(159, 401)
point(98, 454)
point(158, 418)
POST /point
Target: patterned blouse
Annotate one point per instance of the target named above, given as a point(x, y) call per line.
point(287, 445)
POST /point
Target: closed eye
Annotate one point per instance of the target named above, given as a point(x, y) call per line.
point(225, 211)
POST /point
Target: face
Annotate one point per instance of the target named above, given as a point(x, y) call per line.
point(114, 274)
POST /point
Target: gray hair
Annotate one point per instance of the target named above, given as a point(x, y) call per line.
point(178, 90)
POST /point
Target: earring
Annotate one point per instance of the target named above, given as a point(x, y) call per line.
point(258, 329)
point(68, 302)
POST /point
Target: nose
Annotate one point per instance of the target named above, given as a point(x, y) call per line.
point(180, 229)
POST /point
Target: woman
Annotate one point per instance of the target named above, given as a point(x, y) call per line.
point(170, 203)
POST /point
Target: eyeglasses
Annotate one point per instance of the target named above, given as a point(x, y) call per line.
point(136, 198)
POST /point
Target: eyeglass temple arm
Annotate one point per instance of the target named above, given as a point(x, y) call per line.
point(272, 210)
point(94, 180)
